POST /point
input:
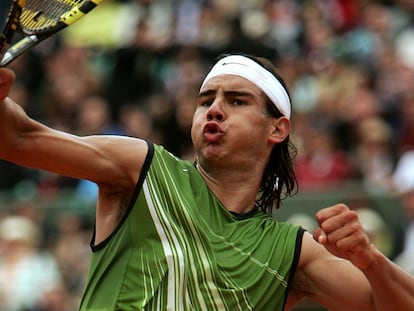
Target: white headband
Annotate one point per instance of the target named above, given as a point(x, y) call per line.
point(247, 68)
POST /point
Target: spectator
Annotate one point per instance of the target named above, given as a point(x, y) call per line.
point(374, 155)
point(27, 273)
point(321, 165)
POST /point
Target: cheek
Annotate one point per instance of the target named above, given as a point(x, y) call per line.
point(251, 135)
point(257, 128)
point(192, 133)
point(195, 128)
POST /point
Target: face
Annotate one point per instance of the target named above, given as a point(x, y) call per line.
point(231, 126)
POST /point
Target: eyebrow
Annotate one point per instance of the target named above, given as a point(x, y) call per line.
point(226, 94)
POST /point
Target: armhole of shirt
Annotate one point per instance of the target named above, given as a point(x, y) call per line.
point(138, 186)
point(295, 262)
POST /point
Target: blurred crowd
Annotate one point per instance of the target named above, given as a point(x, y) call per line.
point(134, 67)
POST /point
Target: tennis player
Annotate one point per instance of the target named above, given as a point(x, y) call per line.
point(175, 235)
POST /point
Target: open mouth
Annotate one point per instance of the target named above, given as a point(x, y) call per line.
point(211, 128)
point(212, 132)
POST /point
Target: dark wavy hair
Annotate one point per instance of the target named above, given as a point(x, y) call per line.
point(279, 179)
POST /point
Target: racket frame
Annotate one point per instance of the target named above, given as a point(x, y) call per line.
point(33, 38)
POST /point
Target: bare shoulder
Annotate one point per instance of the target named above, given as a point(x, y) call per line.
point(122, 157)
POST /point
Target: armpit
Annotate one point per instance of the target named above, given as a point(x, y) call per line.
point(301, 286)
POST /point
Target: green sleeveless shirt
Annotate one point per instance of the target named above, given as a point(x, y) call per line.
point(178, 248)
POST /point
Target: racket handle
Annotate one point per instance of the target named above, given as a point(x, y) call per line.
point(18, 49)
point(12, 24)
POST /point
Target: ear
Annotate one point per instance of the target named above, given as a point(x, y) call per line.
point(280, 130)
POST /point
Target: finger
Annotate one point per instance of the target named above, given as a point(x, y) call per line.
point(329, 212)
point(353, 242)
point(322, 238)
point(7, 78)
point(6, 75)
point(345, 218)
point(343, 233)
point(319, 236)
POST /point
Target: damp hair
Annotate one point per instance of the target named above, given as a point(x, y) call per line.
point(279, 179)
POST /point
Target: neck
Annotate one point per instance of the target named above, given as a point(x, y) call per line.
point(237, 191)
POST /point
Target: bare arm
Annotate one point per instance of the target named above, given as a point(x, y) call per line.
point(102, 159)
point(342, 234)
point(349, 273)
point(113, 162)
point(392, 288)
point(328, 280)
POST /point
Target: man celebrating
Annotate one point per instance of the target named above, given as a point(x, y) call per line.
point(175, 235)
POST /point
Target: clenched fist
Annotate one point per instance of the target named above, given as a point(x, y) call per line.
point(343, 235)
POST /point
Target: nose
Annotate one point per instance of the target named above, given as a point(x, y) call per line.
point(215, 111)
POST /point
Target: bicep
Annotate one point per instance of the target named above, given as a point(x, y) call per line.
point(329, 280)
point(101, 159)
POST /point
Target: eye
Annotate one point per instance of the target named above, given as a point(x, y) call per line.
point(205, 103)
point(239, 102)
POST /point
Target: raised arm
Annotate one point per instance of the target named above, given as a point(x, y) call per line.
point(102, 159)
point(113, 162)
point(344, 271)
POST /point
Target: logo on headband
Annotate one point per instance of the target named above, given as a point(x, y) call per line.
point(233, 63)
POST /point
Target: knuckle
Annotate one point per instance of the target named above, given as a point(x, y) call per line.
point(341, 207)
point(355, 227)
point(325, 227)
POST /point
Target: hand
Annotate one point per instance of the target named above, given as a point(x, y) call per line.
point(341, 233)
point(7, 78)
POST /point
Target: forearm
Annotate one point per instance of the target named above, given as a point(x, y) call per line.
point(388, 286)
point(13, 123)
point(392, 287)
point(8, 111)
point(10, 114)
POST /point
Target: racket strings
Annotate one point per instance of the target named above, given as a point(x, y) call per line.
point(39, 15)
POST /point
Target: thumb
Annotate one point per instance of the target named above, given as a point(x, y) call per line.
point(319, 236)
point(7, 78)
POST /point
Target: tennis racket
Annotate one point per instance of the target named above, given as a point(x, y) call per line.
point(37, 20)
